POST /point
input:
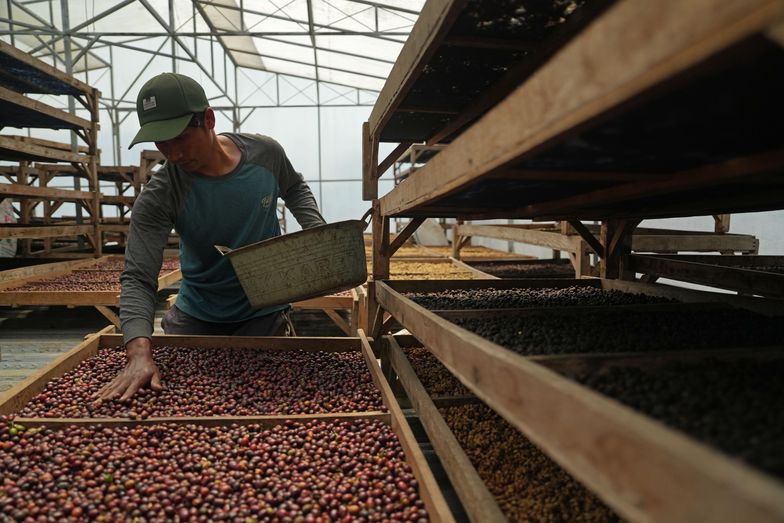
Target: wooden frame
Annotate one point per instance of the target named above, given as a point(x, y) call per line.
point(607, 65)
point(15, 398)
point(30, 75)
point(640, 468)
point(715, 271)
point(101, 300)
point(472, 491)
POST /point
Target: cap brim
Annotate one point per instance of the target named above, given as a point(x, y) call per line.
point(161, 130)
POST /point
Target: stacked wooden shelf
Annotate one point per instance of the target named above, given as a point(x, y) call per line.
point(563, 238)
point(24, 77)
point(43, 284)
point(605, 111)
point(331, 415)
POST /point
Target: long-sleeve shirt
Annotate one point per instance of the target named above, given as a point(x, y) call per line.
point(234, 210)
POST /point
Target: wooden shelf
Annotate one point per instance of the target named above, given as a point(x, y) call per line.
point(104, 301)
point(459, 60)
point(601, 112)
point(21, 75)
point(429, 490)
point(644, 470)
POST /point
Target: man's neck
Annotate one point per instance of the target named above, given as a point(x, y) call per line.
point(224, 157)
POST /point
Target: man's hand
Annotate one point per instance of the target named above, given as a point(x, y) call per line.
point(140, 371)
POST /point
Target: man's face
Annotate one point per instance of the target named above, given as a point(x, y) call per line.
point(188, 150)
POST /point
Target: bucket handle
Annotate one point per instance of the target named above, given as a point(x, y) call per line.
point(367, 217)
point(223, 250)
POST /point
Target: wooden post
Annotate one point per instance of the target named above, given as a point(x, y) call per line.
point(25, 207)
point(380, 266)
point(616, 238)
point(369, 164)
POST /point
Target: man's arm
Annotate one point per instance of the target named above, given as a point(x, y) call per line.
point(297, 194)
point(151, 220)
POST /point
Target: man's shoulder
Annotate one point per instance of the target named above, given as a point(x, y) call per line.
point(255, 142)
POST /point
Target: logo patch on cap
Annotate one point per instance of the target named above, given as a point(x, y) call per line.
point(149, 103)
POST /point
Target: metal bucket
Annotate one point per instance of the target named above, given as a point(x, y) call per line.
point(301, 265)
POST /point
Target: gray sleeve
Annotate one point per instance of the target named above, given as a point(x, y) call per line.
point(152, 218)
point(296, 193)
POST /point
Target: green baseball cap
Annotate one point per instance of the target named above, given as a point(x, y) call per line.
point(165, 105)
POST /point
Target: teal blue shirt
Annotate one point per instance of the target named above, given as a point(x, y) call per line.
point(237, 209)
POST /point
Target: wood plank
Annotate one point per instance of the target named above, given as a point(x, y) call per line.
point(479, 503)
point(22, 274)
point(212, 421)
point(17, 396)
point(30, 61)
point(38, 151)
point(553, 240)
point(339, 321)
point(710, 242)
point(67, 119)
point(273, 343)
point(44, 231)
point(758, 262)
point(170, 277)
point(747, 281)
point(325, 302)
point(436, 505)
point(642, 469)
point(29, 191)
point(110, 315)
point(473, 270)
point(633, 47)
point(68, 298)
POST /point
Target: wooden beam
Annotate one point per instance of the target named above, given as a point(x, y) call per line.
point(27, 191)
point(48, 70)
point(553, 240)
point(588, 236)
point(642, 469)
point(205, 421)
point(339, 321)
point(369, 159)
point(479, 503)
point(404, 235)
point(67, 119)
point(39, 151)
point(613, 60)
point(436, 505)
point(109, 314)
point(743, 280)
point(44, 231)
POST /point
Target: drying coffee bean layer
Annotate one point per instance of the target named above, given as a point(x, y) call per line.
point(526, 270)
point(295, 472)
point(523, 297)
point(211, 382)
point(434, 376)
point(77, 280)
point(94, 279)
point(527, 485)
point(627, 331)
point(737, 407)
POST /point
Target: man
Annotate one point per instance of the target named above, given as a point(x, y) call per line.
point(215, 189)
